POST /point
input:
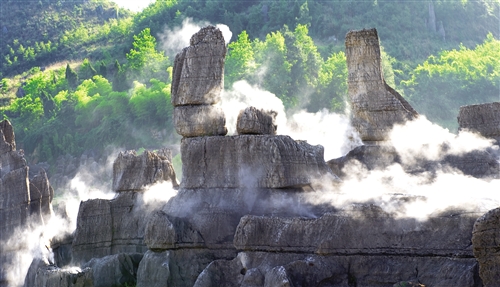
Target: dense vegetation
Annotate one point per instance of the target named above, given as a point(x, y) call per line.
point(85, 75)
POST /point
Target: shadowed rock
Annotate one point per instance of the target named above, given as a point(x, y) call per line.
point(114, 270)
point(483, 118)
point(198, 75)
point(135, 172)
point(7, 138)
point(201, 120)
point(486, 246)
point(41, 191)
point(254, 121)
point(376, 107)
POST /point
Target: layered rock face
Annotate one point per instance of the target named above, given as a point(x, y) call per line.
point(482, 118)
point(198, 79)
point(376, 107)
point(250, 161)
point(23, 203)
point(107, 227)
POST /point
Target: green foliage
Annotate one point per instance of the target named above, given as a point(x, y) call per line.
point(333, 83)
point(128, 103)
point(442, 84)
point(240, 60)
point(144, 60)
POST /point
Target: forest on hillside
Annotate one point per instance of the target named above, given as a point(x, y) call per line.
point(82, 76)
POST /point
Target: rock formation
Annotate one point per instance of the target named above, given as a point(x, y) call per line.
point(104, 226)
point(198, 79)
point(23, 203)
point(250, 161)
point(376, 107)
point(257, 122)
point(482, 118)
point(132, 172)
point(245, 213)
point(486, 246)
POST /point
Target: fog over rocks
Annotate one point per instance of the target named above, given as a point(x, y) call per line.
point(260, 209)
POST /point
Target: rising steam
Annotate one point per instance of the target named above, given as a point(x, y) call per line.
point(173, 40)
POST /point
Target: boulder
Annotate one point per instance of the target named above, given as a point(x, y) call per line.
point(486, 246)
point(258, 122)
point(482, 118)
point(198, 74)
point(244, 161)
point(136, 172)
point(114, 270)
point(199, 120)
point(376, 107)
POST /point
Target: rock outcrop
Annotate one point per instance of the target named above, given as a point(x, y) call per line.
point(258, 122)
point(107, 227)
point(247, 213)
point(198, 79)
point(244, 161)
point(486, 246)
point(132, 172)
point(376, 107)
point(482, 118)
point(23, 203)
point(478, 163)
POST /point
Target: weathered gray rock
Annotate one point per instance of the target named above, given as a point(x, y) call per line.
point(376, 107)
point(42, 193)
point(373, 157)
point(482, 118)
point(178, 268)
point(199, 120)
point(10, 161)
point(207, 218)
point(478, 163)
point(299, 269)
point(486, 246)
point(368, 230)
point(52, 276)
point(106, 227)
point(114, 270)
point(135, 172)
point(7, 137)
point(250, 161)
point(198, 75)
point(258, 122)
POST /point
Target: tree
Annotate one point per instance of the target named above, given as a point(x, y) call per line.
point(240, 60)
point(439, 86)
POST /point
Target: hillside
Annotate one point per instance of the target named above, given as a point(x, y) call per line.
point(81, 76)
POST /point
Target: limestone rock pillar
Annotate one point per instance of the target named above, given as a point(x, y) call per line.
point(198, 79)
point(376, 107)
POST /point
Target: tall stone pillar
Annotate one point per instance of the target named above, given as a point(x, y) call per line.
point(376, 107)
point(198, 79)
